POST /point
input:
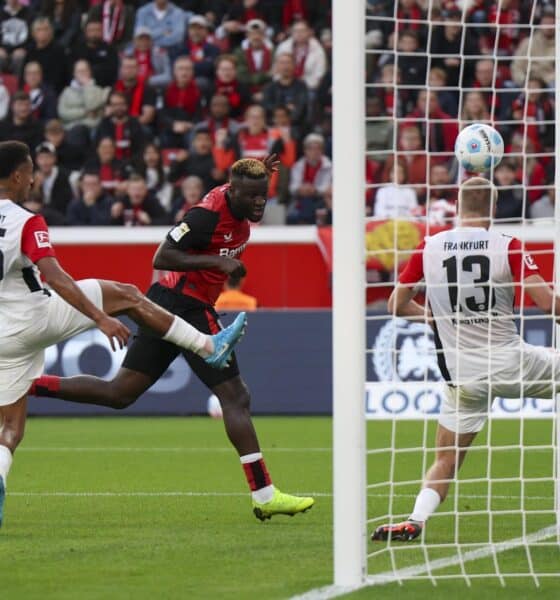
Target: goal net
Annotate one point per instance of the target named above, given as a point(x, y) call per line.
point(432, 68)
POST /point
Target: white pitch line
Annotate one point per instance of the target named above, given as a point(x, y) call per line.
point(164, 494)
point(161, 449)
point(334, 591)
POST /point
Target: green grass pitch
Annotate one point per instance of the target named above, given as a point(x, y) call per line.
point(158, 508)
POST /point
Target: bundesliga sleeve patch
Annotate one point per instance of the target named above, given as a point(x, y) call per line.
point(178, 232)
point(42, 239)
point(530, 262)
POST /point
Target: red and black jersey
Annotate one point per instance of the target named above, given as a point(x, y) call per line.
point(207, 228)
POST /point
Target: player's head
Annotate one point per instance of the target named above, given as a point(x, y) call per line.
point(16, 170)
point(477, 200)
point(249, 186)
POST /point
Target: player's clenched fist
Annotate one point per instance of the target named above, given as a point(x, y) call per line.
point(232, 267)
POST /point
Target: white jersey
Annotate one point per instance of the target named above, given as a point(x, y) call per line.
point(470, 275)
point(24, 239)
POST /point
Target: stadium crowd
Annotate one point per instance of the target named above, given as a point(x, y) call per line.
point(432, 69)
point(134, 110)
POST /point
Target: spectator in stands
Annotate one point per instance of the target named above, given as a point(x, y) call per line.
point(539, 48)
point(487, 77)
point(412, 154)
point(475, 109)
point(227, 84)
point(4, 100)
point(69, 156)
point(20, 124)
point(65, 17)
point(532, 115)
point(239, 13)
point(439, 130)
point(15, 23)
point(232, 298)
point(93, 206)
point(124, 129)
point(287, 91)
point(111, 171)
point(311, 176)
point(165, 20)
point(254, 140)
point(510, 193)
point(43, 100)
point(154, 66)
point(101, 56)
point(529, 169)
point(138, 207)
point(155, 174)
point(379, 131)
point(81, 104)
point(448, 40)
point(117, 18)
point(396, 200)
point(441, 203)
point(48, 53)
point(51, 184)
point(394, 103)
point(140, 95)
point(182, 103)
point(413, 68)
point(544, 207)
point(219, 119)
point(254, 59)
point(309, 56)
point(447, 99)
point(199, 161)
point(190, 194)
point(201, 51)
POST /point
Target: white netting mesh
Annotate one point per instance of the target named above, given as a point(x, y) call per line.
point(434, 67)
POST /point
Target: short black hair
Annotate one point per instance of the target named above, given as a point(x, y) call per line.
point(12, 155)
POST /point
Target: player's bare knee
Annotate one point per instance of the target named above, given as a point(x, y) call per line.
point(234, 395)
point(11, 434)
point(130, 294)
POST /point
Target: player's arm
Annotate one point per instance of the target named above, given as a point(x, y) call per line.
point(57, 279)
point(541, 294)
point(194, 233)
point(525, 269)
point(401, 302)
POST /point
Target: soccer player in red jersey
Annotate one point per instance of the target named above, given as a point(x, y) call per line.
point(200, 253)
point(34, 316)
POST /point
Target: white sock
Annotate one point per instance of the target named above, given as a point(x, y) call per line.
point(186, 336)
point(5, 462)
point(263, 494)
point(426, 504)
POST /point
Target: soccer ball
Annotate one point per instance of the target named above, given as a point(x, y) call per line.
point(479, 147)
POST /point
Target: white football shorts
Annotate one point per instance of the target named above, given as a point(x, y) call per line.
point(535, 375)
point(22, 356)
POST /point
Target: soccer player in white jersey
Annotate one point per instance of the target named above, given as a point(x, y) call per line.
point(33, 317)
point(470, 274)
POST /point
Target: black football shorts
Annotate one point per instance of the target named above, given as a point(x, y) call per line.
point(151, 355)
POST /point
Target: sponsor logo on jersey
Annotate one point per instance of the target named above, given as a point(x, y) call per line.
point(42, 239)
point(404, 351)
point(178, 232)
point(232, 252)
point(530, 262)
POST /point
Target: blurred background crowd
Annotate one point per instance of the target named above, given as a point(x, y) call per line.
point(134, 110)
point(490, 62)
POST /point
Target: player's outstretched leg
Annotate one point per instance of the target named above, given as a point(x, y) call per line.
point(451, 451)
point(122, 298)
point(12, 426)
point(267, 499)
